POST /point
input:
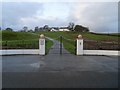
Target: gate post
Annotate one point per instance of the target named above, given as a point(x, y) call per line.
point(42, 45)
point(79, 45)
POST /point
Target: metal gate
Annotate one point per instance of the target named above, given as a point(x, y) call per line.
point(63, 45)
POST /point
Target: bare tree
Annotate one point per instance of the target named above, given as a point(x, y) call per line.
point(46, 28)
point(71, 26)
point(25, 28)
point(36, 29)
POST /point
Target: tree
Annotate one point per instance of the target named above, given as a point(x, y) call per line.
point(46, 28)
point(25, 29)
point(71, 26)
point(36, 29)
point(41, 29)
point(80, 28)
point(9, 29)
point(30, 30)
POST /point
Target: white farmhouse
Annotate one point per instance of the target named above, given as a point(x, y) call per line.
point(64, 30)
point(53, 30)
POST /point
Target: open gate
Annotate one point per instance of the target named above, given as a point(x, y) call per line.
point(63, 45)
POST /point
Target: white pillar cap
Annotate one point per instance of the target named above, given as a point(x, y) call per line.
point(79, 36)
point(42, 36)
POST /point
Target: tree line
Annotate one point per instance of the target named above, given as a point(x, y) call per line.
point(71, 26)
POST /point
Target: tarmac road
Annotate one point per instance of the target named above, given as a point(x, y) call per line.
point(59, 71)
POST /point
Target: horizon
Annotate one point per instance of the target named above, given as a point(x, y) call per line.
point(97, 16)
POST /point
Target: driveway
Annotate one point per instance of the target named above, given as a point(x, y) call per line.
point(59, 71)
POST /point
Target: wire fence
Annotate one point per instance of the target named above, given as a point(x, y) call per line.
point(93, 44)
point(69, 43)
point(24, 44)
point(20, 44)
point(101, 45)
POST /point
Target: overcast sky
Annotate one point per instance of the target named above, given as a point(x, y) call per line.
point(98, 16)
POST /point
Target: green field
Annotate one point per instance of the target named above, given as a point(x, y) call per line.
point(69, 38)
point(7, 35)
point(30, 40)
point(73, 35)
point(22, 40)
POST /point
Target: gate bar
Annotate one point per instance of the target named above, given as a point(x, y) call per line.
point(61, 45)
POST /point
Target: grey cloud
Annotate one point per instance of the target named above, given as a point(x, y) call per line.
point(12, 12)
point(0, 14)
point(99, 17)
point(102, 16)
point(119, 17)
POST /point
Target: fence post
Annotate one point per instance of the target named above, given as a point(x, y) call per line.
point(42, 45)
point(79, 45)
point(6, 44)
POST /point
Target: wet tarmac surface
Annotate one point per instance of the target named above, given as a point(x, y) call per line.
point(34, 71)
point(36, 63)
point(59, 71)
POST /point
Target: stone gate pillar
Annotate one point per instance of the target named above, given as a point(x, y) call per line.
point(79, 45)
point(42, 44)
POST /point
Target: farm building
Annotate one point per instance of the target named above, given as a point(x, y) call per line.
point(53, 30)
point(64, 30)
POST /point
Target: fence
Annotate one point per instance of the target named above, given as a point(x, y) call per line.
point(71, 44)
point(100, 45)
point(20, 44)
point(24, 44)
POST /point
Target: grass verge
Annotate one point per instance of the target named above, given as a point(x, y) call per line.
point(22, 40)
point(48, 45)
point(70, 41)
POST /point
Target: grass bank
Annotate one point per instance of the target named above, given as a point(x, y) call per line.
point(69, 40)
point(22, 40)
